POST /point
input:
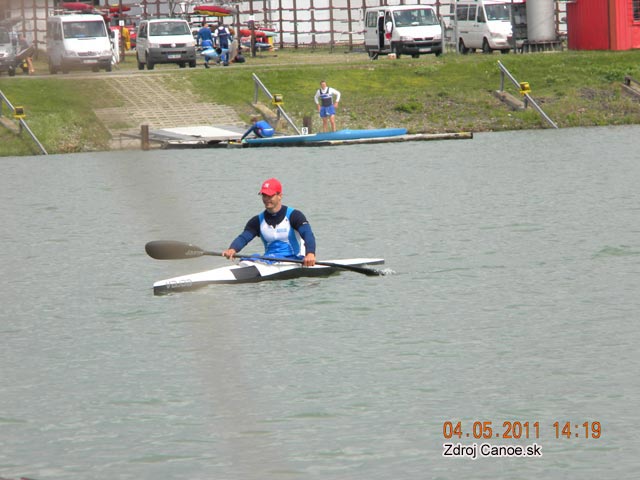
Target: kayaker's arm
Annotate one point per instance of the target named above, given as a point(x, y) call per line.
point(300, 223)
point(309, 238)
point(251, 231)
point(241, 241)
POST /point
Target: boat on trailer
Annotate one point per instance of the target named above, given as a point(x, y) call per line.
point(249, 271)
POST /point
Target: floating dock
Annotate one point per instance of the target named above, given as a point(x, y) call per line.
point(204, 136)
point(197, 136)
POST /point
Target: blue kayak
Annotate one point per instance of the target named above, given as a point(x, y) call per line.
point(340, 135)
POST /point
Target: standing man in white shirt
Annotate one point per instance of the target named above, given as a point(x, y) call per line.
point(327, 105)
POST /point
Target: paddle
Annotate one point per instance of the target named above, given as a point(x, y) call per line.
point(175, 250)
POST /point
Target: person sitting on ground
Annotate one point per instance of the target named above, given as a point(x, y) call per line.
point(260, 128)
point(239, 58)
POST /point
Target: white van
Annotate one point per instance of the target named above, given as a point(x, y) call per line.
point(484, 24)
point(405, 29)
point(165, 40)
point(78, 41)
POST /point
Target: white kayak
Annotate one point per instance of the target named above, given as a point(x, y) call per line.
point(247, 271)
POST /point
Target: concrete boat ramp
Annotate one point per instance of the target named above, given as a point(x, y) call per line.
point(204, 136)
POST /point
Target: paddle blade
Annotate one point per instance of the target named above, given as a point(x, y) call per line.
point(172, 250)
point(370, 272)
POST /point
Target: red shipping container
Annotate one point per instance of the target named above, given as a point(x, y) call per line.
point(602, 25)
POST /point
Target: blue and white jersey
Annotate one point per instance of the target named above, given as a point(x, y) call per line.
point(281, 240)
point(286, 233)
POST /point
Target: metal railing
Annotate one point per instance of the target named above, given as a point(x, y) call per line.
point(22, 124)
point(260, 86)
point(527, 98)
point(631, 86)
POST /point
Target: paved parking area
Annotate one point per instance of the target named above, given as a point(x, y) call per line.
point(146, 101)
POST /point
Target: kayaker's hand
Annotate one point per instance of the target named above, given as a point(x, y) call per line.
point(229, 253)
point(309, 260)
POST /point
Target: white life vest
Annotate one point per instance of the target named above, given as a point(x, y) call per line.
point(282, 240)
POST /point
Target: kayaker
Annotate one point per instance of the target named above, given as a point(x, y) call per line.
point(260, 128)
point(281, 229)
point(326, 104)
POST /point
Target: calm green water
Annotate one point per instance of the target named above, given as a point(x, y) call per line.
point(515, 297)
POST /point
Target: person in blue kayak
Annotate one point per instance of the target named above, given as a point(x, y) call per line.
point(260, 128)
point(324, 99)
point(284, 231)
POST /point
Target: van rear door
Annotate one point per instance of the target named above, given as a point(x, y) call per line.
point(374, 30)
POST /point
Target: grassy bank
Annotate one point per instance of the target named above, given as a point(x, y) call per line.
point(447, 94)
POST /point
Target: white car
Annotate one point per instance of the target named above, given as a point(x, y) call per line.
point(165, 40)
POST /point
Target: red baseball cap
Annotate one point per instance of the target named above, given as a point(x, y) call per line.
point(271, 187)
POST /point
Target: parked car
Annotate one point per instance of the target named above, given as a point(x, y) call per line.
point(8, 46)
point(165, 40)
